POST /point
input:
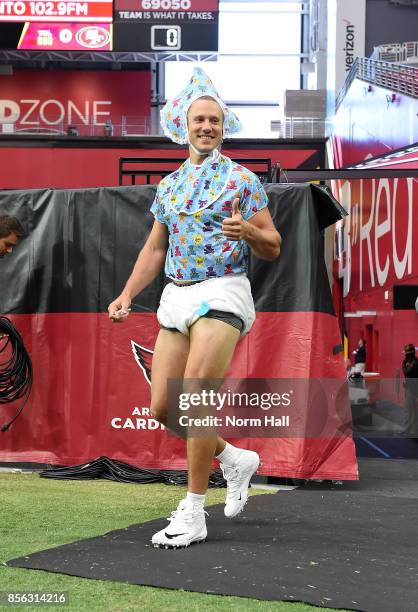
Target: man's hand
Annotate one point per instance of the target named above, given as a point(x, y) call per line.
point(235, 228)
point(119, 309)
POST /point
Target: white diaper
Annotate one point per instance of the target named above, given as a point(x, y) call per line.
point(180, 307)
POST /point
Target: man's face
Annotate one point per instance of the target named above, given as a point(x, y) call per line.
point(205, 119)
point(7, 243)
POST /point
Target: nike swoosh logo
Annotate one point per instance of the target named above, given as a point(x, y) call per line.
point(173, 535)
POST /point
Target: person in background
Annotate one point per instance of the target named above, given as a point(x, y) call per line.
point(410, 371)
point(359, 359)
point(11, 233)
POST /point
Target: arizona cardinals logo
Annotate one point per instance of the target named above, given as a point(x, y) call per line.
point(143, 357)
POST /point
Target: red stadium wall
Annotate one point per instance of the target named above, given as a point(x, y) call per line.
point(379, 235)
point(378, 253)
point(91, 399)
point(88, 163)
point(34, 99)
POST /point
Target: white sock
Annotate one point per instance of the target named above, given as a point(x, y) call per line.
point(195, 498)
point(229, 455)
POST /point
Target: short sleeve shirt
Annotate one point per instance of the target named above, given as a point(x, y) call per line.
point(197, 248)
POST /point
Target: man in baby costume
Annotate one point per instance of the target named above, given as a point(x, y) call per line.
point(208, 213)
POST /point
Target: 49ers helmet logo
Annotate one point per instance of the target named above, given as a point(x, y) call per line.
point(93, 37)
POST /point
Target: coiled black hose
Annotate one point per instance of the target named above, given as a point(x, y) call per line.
point(112, 469)
point(15, 368)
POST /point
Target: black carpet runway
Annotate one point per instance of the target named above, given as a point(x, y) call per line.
point(352, 546)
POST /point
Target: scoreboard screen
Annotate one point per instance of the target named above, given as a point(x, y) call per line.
point(56, 36)
point(166, 25)
point(146, 26)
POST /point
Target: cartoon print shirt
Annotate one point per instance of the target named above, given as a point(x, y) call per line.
point(192, 202)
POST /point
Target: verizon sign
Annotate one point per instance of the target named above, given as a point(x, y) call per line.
point(59, 99)
point(346, 33)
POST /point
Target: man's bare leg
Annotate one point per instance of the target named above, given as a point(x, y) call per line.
point(169, 363)
point(209, 352)
point(212, 345)
point(171, 356)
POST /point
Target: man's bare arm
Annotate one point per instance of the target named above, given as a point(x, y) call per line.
point(148, 265)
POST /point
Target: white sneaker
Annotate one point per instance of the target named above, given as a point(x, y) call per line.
point(187, 525)
point(237, 479)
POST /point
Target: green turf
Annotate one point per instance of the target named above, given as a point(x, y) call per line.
point(37, 513)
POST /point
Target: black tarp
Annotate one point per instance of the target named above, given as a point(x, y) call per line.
point(83, 243)
point(90, 397)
